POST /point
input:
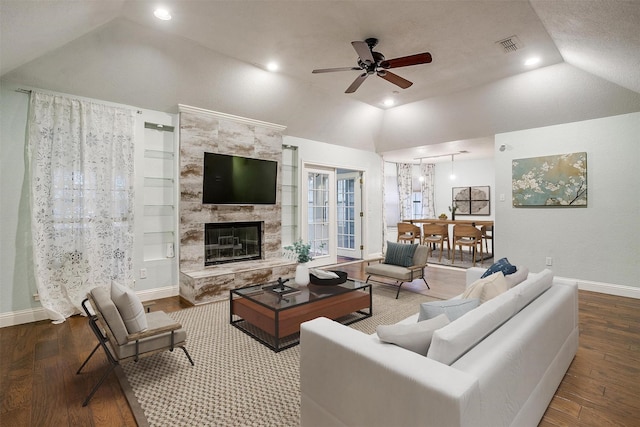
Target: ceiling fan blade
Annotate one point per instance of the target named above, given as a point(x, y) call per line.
point(405, 61)
point(356, 83)
point(395, 79)
point(363, 51)
point(331, 70)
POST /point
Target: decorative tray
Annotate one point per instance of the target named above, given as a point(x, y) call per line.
point(342, 277)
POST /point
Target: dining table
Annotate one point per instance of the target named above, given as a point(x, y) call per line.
point(489, 224)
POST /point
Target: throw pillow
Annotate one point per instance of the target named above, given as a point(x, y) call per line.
point(518, 277)
point(415, 337)
point(453, 308)
point(400, 254)
point(130, 308)
point(487, 288)
point(503, 265)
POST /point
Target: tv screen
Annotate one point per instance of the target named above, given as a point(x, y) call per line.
point(235, 180)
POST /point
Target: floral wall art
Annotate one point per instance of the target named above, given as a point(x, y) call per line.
point(472, 200)
point(559, 180)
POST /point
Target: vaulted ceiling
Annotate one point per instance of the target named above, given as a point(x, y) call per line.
point(212, 54)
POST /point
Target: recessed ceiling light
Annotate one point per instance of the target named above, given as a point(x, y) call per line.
point(272, 66)
point(162, 14)
point(532, 61)
point(389, 102)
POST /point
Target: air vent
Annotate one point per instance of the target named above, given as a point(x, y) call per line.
point(510, 44)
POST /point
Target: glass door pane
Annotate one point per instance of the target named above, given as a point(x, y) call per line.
point(346, 213)
point(318, 212)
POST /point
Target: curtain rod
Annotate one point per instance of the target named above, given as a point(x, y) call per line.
point(28, 92)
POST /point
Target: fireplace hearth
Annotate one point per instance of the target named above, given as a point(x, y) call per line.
point(232, 242)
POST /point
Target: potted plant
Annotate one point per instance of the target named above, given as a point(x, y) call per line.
point(453, 210)
point(302, 253)
point(443, 216)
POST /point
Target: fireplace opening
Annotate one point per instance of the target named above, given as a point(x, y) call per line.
point(232, 242)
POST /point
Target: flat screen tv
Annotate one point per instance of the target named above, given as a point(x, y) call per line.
point(235, 180)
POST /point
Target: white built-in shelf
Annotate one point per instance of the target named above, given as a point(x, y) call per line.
point(159, 191)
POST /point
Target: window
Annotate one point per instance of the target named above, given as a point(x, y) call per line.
point(416, 206)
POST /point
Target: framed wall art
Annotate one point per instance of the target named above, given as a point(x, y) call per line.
point(472, 200)
point(559, 180)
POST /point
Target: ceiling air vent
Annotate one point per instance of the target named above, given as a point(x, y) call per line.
point(510, 44)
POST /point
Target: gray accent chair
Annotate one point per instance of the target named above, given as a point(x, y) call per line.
point(398, 273)
point(163, 333)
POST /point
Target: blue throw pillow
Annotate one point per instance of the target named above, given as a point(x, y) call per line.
point(400, 254)
point(501, 265)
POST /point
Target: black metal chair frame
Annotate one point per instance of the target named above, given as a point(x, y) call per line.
point(399, 283)
point(103, 339)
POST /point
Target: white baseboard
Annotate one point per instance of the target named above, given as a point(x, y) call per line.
point(30, 315)
point(608, 288)
point(158, 293)
point(20, 317)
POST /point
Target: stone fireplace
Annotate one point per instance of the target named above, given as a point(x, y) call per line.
point(216, 256)
point(232, 242)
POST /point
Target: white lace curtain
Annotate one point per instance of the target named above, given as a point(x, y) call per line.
point(427, 187)
point(405, 190)
point(81, 159)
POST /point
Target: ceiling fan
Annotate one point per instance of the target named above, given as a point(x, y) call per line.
point(371, 62)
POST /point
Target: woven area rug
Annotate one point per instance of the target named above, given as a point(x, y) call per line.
point(236, 381)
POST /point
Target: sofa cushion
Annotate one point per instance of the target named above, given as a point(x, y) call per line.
point(130, 308)
point(104, 304)
point(388, 270)
point(453, 308)
point(156, 320)
point(518, 277)
point(421, 255)
point(455, 339)
point(503, 265)
point(487, 288)
point(532, 288)
point(400, 254)
point(415, 337)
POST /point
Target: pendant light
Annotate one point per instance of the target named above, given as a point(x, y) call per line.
point(452, 176)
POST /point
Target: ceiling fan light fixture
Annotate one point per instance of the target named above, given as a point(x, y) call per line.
point(162, 14)
point(272, 66)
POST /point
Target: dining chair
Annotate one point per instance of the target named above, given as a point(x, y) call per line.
point(436, 234)
point(467, 235)
point(408, 233)
point(487, 234)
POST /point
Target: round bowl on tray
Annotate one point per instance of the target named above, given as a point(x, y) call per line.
point(342, 277)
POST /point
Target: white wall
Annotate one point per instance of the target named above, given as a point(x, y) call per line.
point(17, 284)
point(599, 243)
point(469, 173)
point(370, 163)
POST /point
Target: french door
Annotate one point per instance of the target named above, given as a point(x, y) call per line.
point(349, 214)
point(319, 215)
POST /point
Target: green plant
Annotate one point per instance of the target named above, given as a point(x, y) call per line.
point(302, 251)
point(453, 209)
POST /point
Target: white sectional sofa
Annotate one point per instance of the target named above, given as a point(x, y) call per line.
point(497, 365)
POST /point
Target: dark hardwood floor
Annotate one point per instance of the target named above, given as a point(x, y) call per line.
point(39, 385)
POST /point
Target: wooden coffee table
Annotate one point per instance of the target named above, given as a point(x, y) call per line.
point(275, 320)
